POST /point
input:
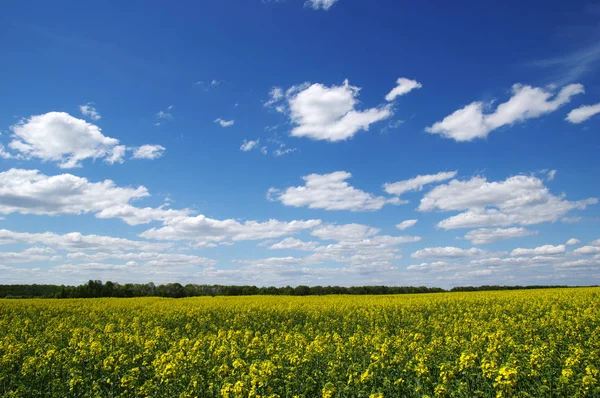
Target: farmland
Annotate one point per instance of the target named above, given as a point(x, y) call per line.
point(486, 344)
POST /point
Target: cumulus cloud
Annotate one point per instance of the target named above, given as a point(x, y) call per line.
point(344, 232)
point(90, 111)
point(447, 252)
point(406, 224)
point(293, 244)
point(527, 102)
point(330, 192)
point(153, 259)
point(61, 138)
point(201, 228)
point(417, 183)
point(75, 241)
point(142, 215)
point(320, 4)
point(148, 152)
point(403, 87)
point(546, 250)
point(587, 250)
point(224, 123)
point(30, 192)
point(519, 200)
point(572, 242)
point(326, 113)
point(583, 113)
point(483, 236)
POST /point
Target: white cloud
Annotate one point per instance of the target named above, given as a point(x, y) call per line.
point(224, 123)
point(527, 102)
point(320, 4)
point(546, 250)
point(330, 192)
point(519, 200)
point(137, 215)
point(75, 241)
point(328, 113)
point(148, 152)
point(587, 250)
point(583, 113)
point(406, 224)
point(117, 155)
point(293, 244)
point(30, 192)
point(483, 236)
point(447, 252)
point(249, 145)
point(61, 138)
point(282, 150)
point(4, 154)
point(90, 111)
point(427, 266)
point(344, 232)
point(404, 86)
point(34, 254)
point(153, 259)
point(275, 95)
point(201, 228)
point(572, 242)
point(551, 175)
point(417, 183)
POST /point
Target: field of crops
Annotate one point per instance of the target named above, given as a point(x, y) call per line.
point(542, 343)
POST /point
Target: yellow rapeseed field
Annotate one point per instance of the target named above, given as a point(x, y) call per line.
point(542, 343)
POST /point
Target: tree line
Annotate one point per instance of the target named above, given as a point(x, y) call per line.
point(96, 288)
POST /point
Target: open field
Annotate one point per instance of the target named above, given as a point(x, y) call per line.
point(538, 343)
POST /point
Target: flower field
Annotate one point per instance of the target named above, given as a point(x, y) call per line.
point(542, 343)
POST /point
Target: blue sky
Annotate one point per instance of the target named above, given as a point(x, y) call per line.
point(285, 142)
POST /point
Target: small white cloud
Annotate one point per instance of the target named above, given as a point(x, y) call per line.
point(275, 95)
point(345, 232)
point(583, 113)
point(282, 151)
point(572, 242)
point(417, 183)
point(248, 145)
point(404, 86)
point(546, 250)
point(527, 102)
point(406, 224)
point(447, 252)
point(148, 152)
point(90, 111)
point(224, 123)
point(551, 175)
point(330, 192)
point(320, 4)
point(484, 236)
